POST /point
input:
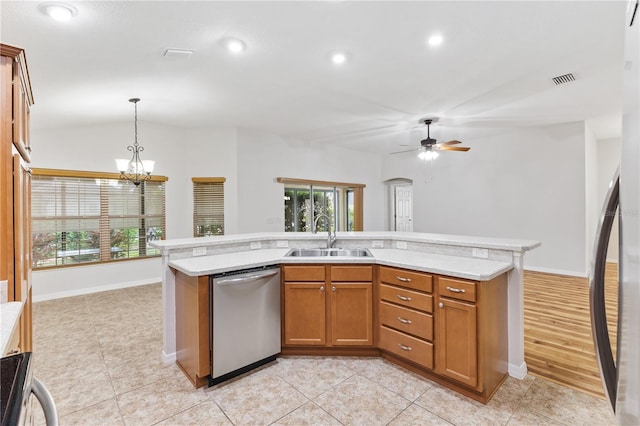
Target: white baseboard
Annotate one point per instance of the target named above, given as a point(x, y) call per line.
point(518, 371)
point(90, 290)
point(168, 358)
point(557, 271)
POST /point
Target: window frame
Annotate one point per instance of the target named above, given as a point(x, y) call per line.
point(358, 195)
point(104, 213)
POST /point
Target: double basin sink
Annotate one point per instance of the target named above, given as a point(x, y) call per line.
point(330, 252)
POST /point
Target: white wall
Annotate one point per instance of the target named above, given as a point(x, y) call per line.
point(179, 155)
point(608, 162)
point(211, 152)
point(592, 208)
point(249, 160)
point(262, 158)
point(525, 183)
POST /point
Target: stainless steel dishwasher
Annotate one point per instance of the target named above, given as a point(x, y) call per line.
point(245, 316)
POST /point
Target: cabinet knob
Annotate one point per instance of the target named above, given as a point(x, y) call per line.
point(333, 288)
point(440, 305)
point(321, 288)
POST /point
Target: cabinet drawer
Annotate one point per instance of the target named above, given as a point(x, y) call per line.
point(408, 347)
point(352, 273)
point(304, 273)
point(414, 280)
point(457, 289)
point(407, 320)
point(402, 296)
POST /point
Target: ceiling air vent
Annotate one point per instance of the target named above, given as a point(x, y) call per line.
point(562, 79)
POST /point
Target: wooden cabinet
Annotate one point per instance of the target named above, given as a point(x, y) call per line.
point(405, 316)
point(327, 305)
point(15, 185)
point(193, 327)
point(451, 330)
point(305, 313)
point(457, 341)
point(351, 302)
point(471, 332)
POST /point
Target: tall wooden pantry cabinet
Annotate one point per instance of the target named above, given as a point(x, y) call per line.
point(16, 100)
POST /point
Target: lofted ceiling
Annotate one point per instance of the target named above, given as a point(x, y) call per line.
point(493, 70)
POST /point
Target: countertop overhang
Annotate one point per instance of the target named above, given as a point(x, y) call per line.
point(9, 316)
point(455, 266)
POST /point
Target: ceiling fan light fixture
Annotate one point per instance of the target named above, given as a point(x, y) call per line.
point(428, 155)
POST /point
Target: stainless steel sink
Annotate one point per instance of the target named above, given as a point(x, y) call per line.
point(320, 252)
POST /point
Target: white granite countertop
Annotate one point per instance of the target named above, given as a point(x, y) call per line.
point(461, 267)
point(9, 315)
point(453, 240)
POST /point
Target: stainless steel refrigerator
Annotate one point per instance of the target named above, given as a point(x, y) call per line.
point(621, 376)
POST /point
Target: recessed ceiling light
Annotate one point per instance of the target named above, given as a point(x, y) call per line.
point(339, 58)
point(436, 40)
point(59, 11)
point(235, 45)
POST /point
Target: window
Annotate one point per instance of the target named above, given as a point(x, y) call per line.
point(305, 200)
point(88, 217)
point(208, 206)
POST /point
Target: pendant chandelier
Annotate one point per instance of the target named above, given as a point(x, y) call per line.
point(135, 170)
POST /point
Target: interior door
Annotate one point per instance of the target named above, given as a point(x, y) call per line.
point(403, 195)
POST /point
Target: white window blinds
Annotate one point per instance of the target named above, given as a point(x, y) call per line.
point(81, 217)
point(208, 206)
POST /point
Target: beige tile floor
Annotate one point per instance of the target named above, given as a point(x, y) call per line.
point(99, 355)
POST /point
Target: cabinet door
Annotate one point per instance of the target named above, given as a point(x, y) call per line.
point(351, 314)
point(305, 314)
point(456, 341)
point(21, 112)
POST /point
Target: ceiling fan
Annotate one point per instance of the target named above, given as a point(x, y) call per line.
point(429, 146)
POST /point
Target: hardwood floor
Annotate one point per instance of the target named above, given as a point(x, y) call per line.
point(558, 342)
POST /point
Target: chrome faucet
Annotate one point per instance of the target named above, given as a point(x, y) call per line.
point(331, 240)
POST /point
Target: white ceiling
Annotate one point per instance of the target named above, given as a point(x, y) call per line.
point(493, 70)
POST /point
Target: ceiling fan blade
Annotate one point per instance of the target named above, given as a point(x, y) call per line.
point(452, 148)
point(452, 142)
point(401, 152)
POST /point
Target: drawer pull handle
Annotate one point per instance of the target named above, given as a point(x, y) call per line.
point(404, 321)
point(404, 348)
point(456, 290)
point(403, 279)
point(404, 298)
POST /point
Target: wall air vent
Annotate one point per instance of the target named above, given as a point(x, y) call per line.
point(562, 79)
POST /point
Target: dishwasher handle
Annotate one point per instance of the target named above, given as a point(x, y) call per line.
point(241, 279)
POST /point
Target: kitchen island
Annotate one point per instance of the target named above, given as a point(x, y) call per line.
point(452, 256)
